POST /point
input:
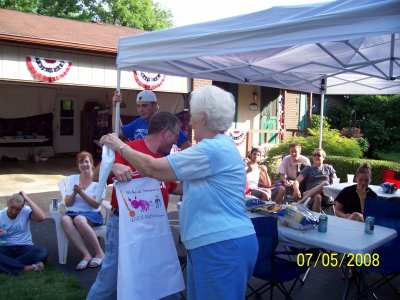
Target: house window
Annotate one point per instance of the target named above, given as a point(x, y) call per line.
point(67, 117)
point(316, 109)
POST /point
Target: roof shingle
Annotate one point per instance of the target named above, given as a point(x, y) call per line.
point(22, 27)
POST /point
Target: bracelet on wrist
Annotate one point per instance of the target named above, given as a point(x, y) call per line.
point(121, 148)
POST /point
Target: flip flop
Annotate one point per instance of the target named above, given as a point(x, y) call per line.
point(83, 264)
point(95, 262)
point(38, 267)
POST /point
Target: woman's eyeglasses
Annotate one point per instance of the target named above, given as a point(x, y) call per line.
point(317, 154)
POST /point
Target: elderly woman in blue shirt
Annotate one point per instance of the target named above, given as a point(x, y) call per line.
point(218, 235)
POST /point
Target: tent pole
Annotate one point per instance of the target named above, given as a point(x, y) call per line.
point(393, 40)
point(321, 123)
point(117, 106)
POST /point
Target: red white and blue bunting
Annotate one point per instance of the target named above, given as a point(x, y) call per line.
point(47, 69)
point(148, 80)
point(281, 116)
point(238, 136)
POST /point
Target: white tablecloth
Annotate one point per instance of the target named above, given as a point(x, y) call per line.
point(334, 189)
point(343, 236)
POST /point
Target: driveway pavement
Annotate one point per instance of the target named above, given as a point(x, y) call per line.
point(40, 179)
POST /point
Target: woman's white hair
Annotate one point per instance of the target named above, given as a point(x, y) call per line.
point(216, 104)
point(16, 198)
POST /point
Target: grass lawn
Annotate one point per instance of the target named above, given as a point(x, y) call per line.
point(47, 285)
point(392, 156)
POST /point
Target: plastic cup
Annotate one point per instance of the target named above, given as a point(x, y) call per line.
point(335, 180)
point(350, 177)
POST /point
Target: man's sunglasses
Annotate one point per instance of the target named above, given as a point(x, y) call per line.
point(317, 154)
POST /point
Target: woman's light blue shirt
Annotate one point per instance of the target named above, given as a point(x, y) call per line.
point(214, 181)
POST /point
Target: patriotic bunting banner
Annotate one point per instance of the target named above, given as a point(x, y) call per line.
point(281, 116)
point(238, 136)
point(147, 80)
point(47, 69)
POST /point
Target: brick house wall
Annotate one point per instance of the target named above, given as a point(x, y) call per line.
point(291, 110)
point(196, 83)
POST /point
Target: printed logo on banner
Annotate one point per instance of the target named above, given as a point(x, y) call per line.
point(238, 136)
point(148, 80)
point(140, 209)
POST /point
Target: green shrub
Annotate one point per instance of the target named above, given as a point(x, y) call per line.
point(272, 164)
point(347, 165)
point(342, 153)
point(332, 142)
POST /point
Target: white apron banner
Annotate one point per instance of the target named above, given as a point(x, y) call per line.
point(148, 265)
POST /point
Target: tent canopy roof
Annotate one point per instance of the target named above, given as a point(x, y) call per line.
point(354, 45)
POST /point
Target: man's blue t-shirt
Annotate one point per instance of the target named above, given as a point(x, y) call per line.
point(137, 130)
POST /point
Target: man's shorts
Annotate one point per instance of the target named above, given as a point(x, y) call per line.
point(271, 192)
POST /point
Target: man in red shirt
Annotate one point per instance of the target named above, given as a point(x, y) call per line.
point(163, 132)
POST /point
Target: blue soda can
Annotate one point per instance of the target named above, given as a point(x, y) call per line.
point(369, 224)
point(323, 223)
point(3, 237)
point(385, 187)
point(54, 203)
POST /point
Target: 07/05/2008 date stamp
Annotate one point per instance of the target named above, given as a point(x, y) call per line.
point(337, 259)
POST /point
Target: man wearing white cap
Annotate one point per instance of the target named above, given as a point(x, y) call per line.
point(146, 104)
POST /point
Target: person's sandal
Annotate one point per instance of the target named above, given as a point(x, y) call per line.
point(38, 267)
point(83, 264)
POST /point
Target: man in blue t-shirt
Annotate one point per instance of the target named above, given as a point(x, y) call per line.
point(146, 104)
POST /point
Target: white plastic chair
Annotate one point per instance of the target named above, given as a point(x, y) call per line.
point(62, 240)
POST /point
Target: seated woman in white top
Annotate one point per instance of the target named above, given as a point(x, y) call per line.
point(83, 212)
point(255, 174)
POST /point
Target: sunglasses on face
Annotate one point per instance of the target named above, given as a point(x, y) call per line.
point(317, 154)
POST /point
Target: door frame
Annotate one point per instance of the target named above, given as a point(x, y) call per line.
point(67, 143)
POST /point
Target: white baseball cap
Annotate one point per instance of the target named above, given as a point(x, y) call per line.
point(146, 96)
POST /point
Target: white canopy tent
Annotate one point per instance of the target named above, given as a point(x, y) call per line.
point(341, 47)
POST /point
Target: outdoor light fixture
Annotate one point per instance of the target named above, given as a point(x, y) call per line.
point(253, 105)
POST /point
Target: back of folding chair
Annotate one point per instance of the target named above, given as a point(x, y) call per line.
point(267, 235)
point(387, 214)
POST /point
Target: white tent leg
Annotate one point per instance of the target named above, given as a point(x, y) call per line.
point(321, 124)
point(117, 107)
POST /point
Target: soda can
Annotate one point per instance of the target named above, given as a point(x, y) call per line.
point(369, 224)
point(323, 223)
point(3, 236)
point(385, 187)
point(54, 204)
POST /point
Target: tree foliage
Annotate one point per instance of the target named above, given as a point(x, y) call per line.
point(376, 116)
point(140, 14)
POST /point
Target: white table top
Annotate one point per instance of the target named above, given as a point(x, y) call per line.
point(333, 190)
point(342, 236)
